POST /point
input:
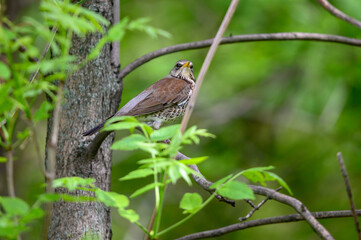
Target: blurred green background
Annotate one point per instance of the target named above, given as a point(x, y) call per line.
point(292, 105)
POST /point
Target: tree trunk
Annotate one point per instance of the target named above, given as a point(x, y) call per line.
point(91, 95)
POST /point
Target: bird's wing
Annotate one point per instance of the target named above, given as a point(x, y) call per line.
point(162, 94)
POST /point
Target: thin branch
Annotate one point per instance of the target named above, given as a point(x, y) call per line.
point(52, 145)
point(10, 173)
point(266, 221)
point(297, 205)
point(207, 62)
point(116, 45)
point(55, 131)
point(255, 208)
point(239, 38)
point(349, 193)
point(337, 13)
point(43, 54)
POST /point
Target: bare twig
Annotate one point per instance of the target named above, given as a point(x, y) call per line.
point(54, 132)
point(239, 38)
point(297, 205)
point(43, 54)
point(226, 20)
point(337, 13)
point(52, 145)
point(266, 221)
point(250, 203)
point(115, 45)
point(10, 173)
point(255, 208)
point(349, 193)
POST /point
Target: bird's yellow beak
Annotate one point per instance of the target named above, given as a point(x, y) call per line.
point(187, 65)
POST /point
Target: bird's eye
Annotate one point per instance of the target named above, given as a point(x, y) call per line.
point(178, 65)
point(191, 66)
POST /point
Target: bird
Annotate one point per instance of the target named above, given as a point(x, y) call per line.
point(163, 101)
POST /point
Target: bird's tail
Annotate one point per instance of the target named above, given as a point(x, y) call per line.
point(93, 130)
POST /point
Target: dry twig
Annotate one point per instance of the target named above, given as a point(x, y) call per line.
point(337, 13)
point(255, 208)
point(287, 36)
point(349, 193)
point(207, 62)
point(10, 173)
point(265, 221)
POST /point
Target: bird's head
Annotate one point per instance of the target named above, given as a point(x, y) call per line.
point(183, 69)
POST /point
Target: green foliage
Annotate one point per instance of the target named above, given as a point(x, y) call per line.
point(236, 190)
point(72, 183)
point(139, 173)
point(16, 216)
point(260, 175)
point(110, 199)
point(191, 202)
point(165, 169)
point(20, 93)
point(117, 32)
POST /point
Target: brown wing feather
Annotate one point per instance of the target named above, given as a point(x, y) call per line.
point(162, 94)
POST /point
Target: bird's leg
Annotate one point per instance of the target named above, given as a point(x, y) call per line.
point(156, 124)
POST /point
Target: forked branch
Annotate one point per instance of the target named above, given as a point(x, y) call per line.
point(266, 221)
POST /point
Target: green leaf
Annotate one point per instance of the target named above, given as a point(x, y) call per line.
point(220, 181)
point(43, 112)
point(191, 202)
point(173, 173)
point(112, 199)
point(77, 198)
point(146, 129)
point(23, 134)
point(272, 176)
point(3, 159)
point(191, 161)
point(14, 206)
point(164, 133)
point(117, 31)
point(121, 126)
point(129, 214)
point(49, 197)
point(72, 183)
point(145, 189)
point(139, 173)
point(185, 176)
point(174, 146)
point(4, 71)
point(192, 133)
point(152, 148)
point(236, 191)
point(121, 119)
point(34, 213)
point(260, 175)
point(152, 160)
point(129, 143)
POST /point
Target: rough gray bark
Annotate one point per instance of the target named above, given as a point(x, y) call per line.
point(91, 95)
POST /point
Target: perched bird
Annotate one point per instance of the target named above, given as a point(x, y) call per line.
point(163, 101)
